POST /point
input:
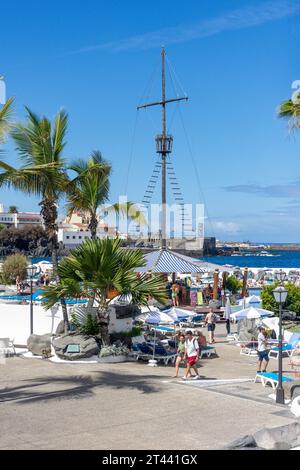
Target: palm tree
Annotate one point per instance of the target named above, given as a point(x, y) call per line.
point(89, 190)
point(290, 109)
point(5, 122)
point(13, 210)
point(90, 187)
point(40, 145)
point(98, 267)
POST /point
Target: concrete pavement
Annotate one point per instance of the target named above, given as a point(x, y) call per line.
point(45, 405)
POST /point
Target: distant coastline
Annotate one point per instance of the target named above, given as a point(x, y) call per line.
point(284, 247)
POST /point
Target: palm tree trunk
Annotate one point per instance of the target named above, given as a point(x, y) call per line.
point(93, 226)
point(103, 321)
point(49, 214)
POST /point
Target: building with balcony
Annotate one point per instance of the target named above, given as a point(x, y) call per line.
point(19, 219)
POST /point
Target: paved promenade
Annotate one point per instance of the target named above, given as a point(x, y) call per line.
point(45, 405)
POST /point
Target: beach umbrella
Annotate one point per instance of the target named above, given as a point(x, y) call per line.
point(154, 318)
point(251, 313)
point(251, 301)
point(145, 313)
point(166, 261)
point(178, 313)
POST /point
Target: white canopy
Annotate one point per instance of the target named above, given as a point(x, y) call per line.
point(155, 318)
point(252, 300)
point(251, 313)
point(145, 310)
point(178, 313)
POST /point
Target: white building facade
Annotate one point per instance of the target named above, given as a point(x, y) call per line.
point(19, 219)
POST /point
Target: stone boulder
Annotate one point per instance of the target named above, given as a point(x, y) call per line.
point(247, 441)
point(88, 346)
point(60, 329)
point(279, 438)
point(37, 343)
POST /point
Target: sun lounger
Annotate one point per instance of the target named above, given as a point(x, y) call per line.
point(207, 351)
point(248, 351)
point(295, 351)
point(7, 347)
point(145, 351)
point(162, 354)
point(232, 337)
point(288, 349)
point(271, 378)
point(141, 351)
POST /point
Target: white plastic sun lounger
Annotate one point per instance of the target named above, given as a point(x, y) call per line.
point(248, 351)
point(208, 351)
point(271, 378)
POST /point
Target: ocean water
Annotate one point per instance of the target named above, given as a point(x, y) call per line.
point(283, 259)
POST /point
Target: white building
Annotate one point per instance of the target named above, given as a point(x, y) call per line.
point(72, 231)
point(72, 237)
point(19, 219)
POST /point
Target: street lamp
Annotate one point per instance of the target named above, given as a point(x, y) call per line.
point(280, 275)
point(280, 295)
point(31, 270)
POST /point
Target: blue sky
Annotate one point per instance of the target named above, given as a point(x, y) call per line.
point(236, 60)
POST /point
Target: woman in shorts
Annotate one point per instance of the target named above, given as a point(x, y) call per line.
point(180, 352)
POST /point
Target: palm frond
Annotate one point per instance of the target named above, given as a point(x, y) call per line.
point(6, 113)
point(128, 209)
point(290, 110)
point(90, 187)
point(99, 265)
point(59, 133)
point(64, 289)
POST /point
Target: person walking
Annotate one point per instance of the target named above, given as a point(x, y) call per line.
point(211, 320)
point(191, 355)
point(181, 354)
point(175, 294)
point(263, 356)
point(227, 313)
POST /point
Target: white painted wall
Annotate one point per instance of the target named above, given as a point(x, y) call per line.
point(15, 321)
point(118, 325)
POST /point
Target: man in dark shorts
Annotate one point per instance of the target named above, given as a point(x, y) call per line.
point(263, 356)
point(211, 320)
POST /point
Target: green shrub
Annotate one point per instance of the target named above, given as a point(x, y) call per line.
point(113, 351)
point(233, 284)
point(90, 325)
point(14, 266)
point(292, 302)
point(136, 331)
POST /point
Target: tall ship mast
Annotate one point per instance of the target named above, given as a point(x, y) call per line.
point(164, 143)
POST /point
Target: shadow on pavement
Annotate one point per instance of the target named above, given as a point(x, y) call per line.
point(75, 387)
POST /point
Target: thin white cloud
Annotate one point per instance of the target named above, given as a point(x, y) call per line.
point(226, 227)
point(291, 190)
point(236, 19)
